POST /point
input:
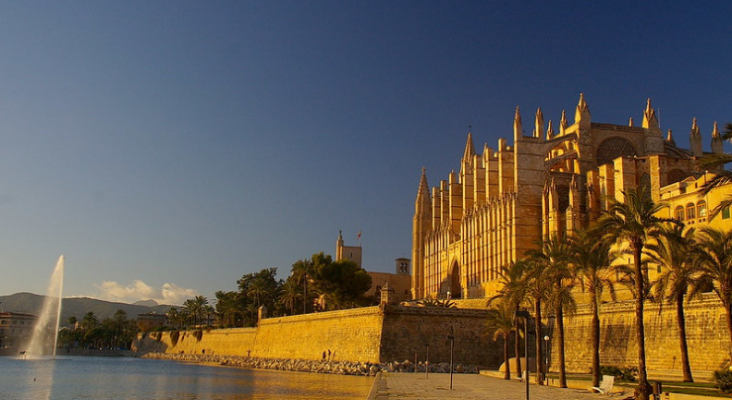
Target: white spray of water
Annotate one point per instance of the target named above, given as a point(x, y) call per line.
point(39, 344)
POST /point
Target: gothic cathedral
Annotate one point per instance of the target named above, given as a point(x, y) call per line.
point(505, 200)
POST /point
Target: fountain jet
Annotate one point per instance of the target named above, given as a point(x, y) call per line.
point(39, 344)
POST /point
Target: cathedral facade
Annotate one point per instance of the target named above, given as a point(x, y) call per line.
point(505, 200)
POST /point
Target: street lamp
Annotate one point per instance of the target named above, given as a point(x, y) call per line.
point(451, 338)
point(525, 315)
point(546, 360)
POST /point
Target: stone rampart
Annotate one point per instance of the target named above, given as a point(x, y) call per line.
point(371, 334)
point(706, 337)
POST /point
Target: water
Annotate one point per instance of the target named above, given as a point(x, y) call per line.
point(104, 378)
point(41, 343)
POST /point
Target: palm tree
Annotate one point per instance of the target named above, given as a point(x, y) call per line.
point(535, 285)
point(228, 307)
point(673, 251)
point(715, 269)
point(289, 294)
point(499, 324)
point(196, 307)
point(633, 221)
point(513, 292)
point(301, 271)
point(590, 259)
point(257, 291)
point(715, 163)
point(552, 259)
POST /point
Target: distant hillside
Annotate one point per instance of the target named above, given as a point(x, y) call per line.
point(77, 306)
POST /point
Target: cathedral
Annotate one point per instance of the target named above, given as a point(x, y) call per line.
point(504, 200)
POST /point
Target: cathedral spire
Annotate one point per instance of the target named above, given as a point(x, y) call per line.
point(649, 117)
point(469, 148)
point(695, 139)
point(518, 129)
point(549, 131)
point(670, 138)
point(717, 145)
point(423, 203)
point(563, 124)
point(582, 113)
point(539, 123)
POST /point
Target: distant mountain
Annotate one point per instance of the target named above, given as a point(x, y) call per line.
point(146, 303)
point(78, 306)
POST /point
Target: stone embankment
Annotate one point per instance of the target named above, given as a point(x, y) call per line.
point(322, 366)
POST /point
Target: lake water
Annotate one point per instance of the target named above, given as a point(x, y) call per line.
point(135, 378)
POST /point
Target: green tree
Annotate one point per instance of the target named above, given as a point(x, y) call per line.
point(196, 308)
point(535, 284)
point(301, 271)
point(590, 259)
point(342, 283)
point(90, 321)
point(262, 288)
point(290, 294)
point(716, 163)
point(499, 324)
point(674, 252)
point(552, 260)
point(230, 308)
point(634, 222)
point(715, 269)
point(513, 291)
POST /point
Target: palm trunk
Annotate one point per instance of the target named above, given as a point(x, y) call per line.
point(728, 317)
point(560, 338)
point(517, 345)
point(507, 373)
point(539, 369)
point(682, 338)
point(643, 391)
point(595, 333)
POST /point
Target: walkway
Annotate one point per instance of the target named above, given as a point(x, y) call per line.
point(410, 386)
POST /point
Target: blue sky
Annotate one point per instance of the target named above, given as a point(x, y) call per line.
point(167, 148)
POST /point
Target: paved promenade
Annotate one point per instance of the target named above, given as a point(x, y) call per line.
point(409, 386)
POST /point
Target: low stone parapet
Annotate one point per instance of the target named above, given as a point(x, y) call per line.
point(322, 367)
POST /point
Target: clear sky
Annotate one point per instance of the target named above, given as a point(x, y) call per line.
point(166, 148)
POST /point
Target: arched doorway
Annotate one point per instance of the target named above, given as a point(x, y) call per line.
point(455, 289)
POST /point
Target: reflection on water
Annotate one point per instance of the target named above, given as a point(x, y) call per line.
point(133, 378)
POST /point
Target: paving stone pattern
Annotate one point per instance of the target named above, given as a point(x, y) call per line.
point(409, 386)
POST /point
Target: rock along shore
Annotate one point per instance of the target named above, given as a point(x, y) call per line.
point(320, 366)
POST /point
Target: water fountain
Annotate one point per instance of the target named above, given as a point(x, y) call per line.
point(51, 313)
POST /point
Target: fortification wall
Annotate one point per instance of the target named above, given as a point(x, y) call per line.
point(371, 334)
point(352, 335)
point(234, 342)
point(706, 336)
point(409, 330)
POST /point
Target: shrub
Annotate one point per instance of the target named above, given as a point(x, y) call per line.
point(723, 380)
point(174, 337)
point(198, 335)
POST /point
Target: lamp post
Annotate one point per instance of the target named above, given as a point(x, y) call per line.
point(451, 338)
point(546, 360)
point(525, 315)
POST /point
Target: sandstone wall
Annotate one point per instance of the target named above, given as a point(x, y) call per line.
point(706, 335)
point(235, 342)
point(411, 329)
point(371, 334)
point(352, 335)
